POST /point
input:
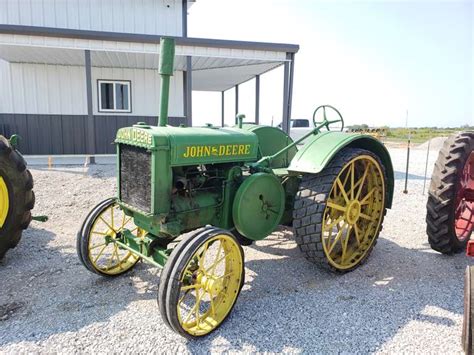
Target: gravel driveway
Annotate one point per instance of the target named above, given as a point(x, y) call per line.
point(405, 298)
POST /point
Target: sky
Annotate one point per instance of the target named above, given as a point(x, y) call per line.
point(373, 60)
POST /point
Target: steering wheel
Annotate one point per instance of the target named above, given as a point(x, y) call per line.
point(325, 122)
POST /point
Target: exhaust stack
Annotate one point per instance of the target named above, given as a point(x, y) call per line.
point(166, 71)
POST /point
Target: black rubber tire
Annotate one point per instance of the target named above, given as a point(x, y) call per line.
point(165, 274)
point(82, 240)
point(467, 329)
point(310, 203)
point(169, 283)
point(21, 197)
point(442, 194)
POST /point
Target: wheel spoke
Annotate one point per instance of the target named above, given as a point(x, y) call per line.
point(216, 259)
point(356, 233)
point(190, 287)
point(366, 198)
point(366, 172)
point(97, 246)
point(213, 309)
point(192, 309)
point(202, 255)
point(100, 233)
point(125, 222)
point(107, 223)
point(336, 206)
point(345, 242)
point(352, 179)
point(198, 308)
point(230, 273)
point(100, 253)
point(363, 215)
point(334, 223)
point(341, 187)
point(119, 263)
point(338, 236)
point(112, 217)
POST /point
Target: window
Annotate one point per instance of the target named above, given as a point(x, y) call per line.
point(114, 96)
point(299, 123)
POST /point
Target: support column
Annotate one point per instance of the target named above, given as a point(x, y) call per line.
point(290, 88)
point(222, 109)
point(90, 133)
point(257, 99)
point(188, 92)
point(236, 102)
point(187, 75)
point(184, 17)
point(286, 83)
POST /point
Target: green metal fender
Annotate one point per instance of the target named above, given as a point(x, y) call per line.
point(320, 149)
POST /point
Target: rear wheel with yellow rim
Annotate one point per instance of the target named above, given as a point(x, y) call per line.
point(339, 212)
point(16, 196)
point(201, 282)
point(95, 241)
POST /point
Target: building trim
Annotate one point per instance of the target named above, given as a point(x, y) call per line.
point(143, 38)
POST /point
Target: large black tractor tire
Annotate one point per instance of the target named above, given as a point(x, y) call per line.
point(312, 201)
point(441, 205)
point(17, 189)
point(467, 330)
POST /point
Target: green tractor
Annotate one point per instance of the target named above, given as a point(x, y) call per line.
point(17, 198)
point(189, 198)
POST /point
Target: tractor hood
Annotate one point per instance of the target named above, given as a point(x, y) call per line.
point(193, 145)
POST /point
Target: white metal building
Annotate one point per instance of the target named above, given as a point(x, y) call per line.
point(74, 71)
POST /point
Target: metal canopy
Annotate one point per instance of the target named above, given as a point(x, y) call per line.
point(214, 65)
point(213, 69)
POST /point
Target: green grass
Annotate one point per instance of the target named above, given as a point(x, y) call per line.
point(420, 135)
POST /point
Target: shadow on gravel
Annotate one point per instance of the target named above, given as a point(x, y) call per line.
point(400, 175)
point(287, 303)
point(290, 304)
point(45, 290)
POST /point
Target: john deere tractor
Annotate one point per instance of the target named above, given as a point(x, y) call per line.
point(189, 197)
point(16, 195)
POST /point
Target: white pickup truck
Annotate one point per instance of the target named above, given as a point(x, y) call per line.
point(299, 127)
point(302, 126)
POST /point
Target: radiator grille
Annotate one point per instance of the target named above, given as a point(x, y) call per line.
point(135, 177)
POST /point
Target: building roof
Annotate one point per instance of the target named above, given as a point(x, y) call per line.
point(217, 64)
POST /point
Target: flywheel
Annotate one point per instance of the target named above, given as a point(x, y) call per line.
point(258, 206)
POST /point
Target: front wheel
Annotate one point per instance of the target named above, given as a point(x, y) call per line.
point(201, 281)
point(339, 212)
point(95, 241)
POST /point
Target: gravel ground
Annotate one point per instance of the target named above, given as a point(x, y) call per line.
point(406, 298)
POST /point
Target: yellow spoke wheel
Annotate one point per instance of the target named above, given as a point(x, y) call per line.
point(339, 212)
point(4, 202)
point(201, 282)
point(96, 248)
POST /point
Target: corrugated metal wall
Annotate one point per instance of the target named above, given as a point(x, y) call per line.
point(66, 134)
point(61, 89)
point(129, 16)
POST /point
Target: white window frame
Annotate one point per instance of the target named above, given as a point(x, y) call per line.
point(113, 82)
